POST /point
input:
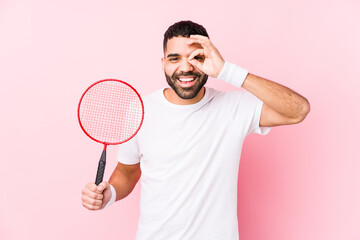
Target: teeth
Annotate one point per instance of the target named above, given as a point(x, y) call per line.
point(186, 79)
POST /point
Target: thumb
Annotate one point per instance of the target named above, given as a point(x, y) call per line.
point(194, 57)
point(102, 186)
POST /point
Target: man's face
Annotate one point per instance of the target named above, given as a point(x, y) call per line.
point(183, 78)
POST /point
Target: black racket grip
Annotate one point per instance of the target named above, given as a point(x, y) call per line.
point(101, 169)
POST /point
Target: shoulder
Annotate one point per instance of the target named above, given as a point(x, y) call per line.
point(153, 98)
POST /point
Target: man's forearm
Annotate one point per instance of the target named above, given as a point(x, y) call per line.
point(280, 98)
point(123, 182)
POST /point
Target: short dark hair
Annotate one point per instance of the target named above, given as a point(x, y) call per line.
point(183, 29)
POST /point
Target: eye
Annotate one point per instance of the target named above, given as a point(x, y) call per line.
point(173, 59)
point(199, 58)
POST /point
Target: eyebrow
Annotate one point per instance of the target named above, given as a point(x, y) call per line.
point(173, 55)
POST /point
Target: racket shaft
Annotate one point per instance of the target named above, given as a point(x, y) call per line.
point(101, 168)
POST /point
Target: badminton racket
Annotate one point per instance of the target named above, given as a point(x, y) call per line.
point(110, 112)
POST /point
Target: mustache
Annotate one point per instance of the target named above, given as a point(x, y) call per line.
point(191, 73)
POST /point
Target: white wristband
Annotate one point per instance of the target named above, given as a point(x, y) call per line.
point(233, 74)
point(113, 196)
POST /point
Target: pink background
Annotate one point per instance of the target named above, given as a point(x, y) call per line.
point(299, 182)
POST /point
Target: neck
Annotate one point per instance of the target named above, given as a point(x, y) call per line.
point(172, 97)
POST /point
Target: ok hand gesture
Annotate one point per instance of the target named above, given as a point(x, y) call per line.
point(207, 59)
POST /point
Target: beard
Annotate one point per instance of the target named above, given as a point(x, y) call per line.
point(190, 92)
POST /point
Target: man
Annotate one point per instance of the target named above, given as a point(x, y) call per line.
point(188, 149)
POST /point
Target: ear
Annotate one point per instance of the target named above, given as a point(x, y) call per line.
point(162, 63)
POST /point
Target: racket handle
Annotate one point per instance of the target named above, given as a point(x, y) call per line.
point(101, 168)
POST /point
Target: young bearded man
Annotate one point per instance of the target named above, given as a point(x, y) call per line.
point(188, 149)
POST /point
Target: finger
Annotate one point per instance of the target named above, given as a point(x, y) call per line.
point(192, 41)
point(91, 186)
point(204, 41)
point(91, 201)
point(197, 36)
point(197, 52)
point(92, 194)
point(90, 207)
point(102, 186)
point(196, 64)
point(196, 41)
point(91, 191)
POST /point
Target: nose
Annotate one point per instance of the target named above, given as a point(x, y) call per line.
point(185, 66)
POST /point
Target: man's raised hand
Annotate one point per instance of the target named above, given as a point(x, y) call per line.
point(207, 59)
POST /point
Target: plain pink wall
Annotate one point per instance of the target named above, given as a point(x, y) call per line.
point(299, 182)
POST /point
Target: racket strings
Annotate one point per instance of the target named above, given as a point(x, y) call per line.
point(111, 112)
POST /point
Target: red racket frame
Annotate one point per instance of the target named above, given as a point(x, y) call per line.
point(108, 143)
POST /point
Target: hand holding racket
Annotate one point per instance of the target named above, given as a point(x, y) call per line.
point(96, 197)
point(110, 112)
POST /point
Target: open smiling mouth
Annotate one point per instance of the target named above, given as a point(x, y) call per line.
point(186, 81)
